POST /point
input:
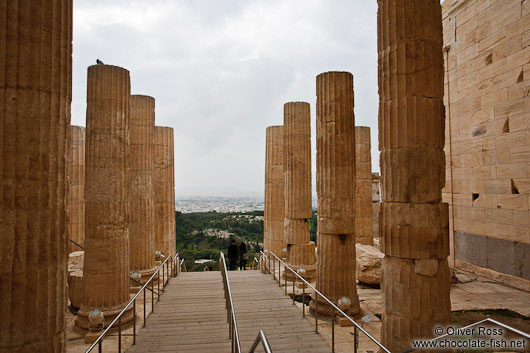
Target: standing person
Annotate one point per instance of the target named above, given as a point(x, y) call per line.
point(232, 255)
point(243, 256)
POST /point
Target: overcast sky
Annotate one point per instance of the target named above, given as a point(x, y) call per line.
point(220, 72)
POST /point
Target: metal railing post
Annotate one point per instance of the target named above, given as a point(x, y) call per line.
point(285, 278)
point(145, 309)
point(274, 269)
point(158, 287)
point(152, 296)
point(294, 281)
point(333, 332)
point(279, 275)
point(100, 348)
point(119, 335)
point(134, 322)
point(316, 312)
point(355, 339)
point(303, 299)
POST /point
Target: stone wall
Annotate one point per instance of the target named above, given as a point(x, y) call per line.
point(487, 99)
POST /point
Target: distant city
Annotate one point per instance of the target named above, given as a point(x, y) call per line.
point(220, 203)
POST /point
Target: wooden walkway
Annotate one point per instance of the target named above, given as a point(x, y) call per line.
point(191, 316)
point(261, 304)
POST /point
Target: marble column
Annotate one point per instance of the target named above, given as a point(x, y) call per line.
point(336, 191)
point(106, 265)
point(164, 183)
point(297, 172)
point(140, 184)
point(274, 191)
point(35, 98)
point(414, 222)
point(76, 192)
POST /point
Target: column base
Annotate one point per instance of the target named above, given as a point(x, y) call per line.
point(81, 321)
point(311, 273)
point(327, 310)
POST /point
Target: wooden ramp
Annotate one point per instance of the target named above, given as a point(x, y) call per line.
point(261, 304)
point(190, 317)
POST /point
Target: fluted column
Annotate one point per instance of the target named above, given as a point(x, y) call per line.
point(274, 191)
point(336, 190)
point(35, 98)
point(140, 184)
point(414, 223)
point(106, 266)
point(363, 187)
point(297, 172)
point(76, 192)
point(164, 183)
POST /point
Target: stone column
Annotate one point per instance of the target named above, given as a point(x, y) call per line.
point(297, 172)
point(35, 97)
point(106, 265)
point(164, 183)
point(414, 222)
point(140, 184)
point(274, 191)
point(336, 190)
point(363, 187)
point(76, 192)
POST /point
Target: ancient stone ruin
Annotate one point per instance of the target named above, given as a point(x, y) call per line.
point(297, 178)
point(140, 183)
point(164, 188)
point(33, 151)
point(336, 191)
point(363, 187)
point(414, 222)
point(274, 191)
point(76, 190)
point(106, 264)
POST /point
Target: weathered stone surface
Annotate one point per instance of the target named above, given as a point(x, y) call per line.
point(76, 191)
point(336, 259)
point(363, 187)
point(415, 231)
point(369, 261)
point(35, 97)
point(106, 268)
point(76, 260)
point(419, 292)
point(415, 275)
point(297, 160)
point(140, 184)
point(376, 202)
point(164, 184)
point(274, 191)
point(335, 153)
point(297, 173)
point(296, 231)
point(412, 174)
point(336, 179)
point(75, 288)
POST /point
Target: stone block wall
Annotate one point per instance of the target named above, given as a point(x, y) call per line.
point(487, 100)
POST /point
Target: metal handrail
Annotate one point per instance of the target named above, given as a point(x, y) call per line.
point(317, 294)
point(180, 265)
point(263, 338)
point(164, 266)
point(75, 243)
point(233, 333)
